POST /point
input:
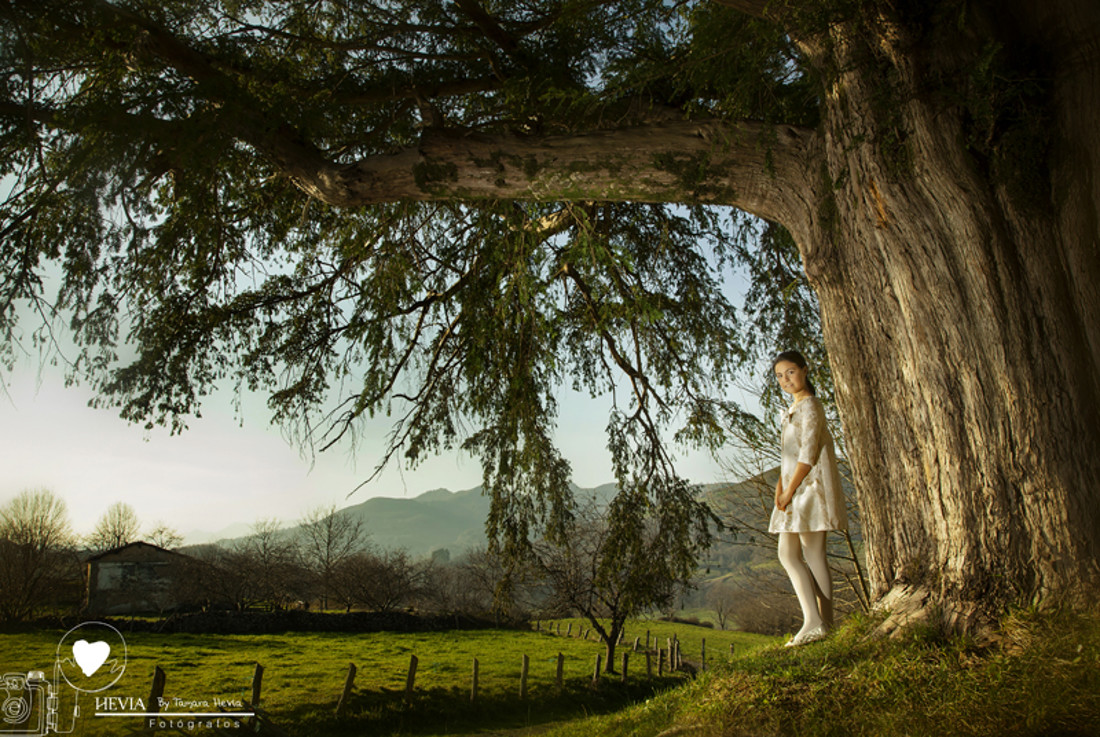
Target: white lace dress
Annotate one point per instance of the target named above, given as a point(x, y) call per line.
point(818, 503)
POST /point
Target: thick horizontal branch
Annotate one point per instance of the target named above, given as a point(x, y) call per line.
point(765, 170)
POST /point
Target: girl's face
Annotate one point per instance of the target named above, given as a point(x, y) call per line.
point(792, 379)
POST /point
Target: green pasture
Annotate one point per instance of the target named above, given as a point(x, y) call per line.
point(304, 675)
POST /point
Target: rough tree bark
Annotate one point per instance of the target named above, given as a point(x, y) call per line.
point(963, 325)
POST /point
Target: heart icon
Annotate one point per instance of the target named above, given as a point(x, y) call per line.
point(90, 655)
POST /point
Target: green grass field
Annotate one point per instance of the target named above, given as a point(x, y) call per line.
point(304, 675)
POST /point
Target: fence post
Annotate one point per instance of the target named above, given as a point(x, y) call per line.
point(671, 655)
point(648, 665)
point(473, 684)
point(596, 672)
point(731, 649)
point(257, 683)
point(569, 630)
point(348, 683)
point(523, 677)
point(636, 641)
point(660, 662)
point(561, 672)
point(157, 689)
point(647, 639)
point(625, 656)
point(410, 682)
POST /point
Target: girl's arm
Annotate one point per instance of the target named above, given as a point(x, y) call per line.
point(782, 499)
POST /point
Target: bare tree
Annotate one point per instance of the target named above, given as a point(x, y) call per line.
point(380, 581)
point(722, 597)
point(268, 559)
point(164, 536)
point(327, 538)
point(35, 552)
point(117, 527)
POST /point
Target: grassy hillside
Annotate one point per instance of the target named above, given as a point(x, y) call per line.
point(1042, 677)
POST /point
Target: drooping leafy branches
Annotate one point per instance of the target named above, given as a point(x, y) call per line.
point(155, 151)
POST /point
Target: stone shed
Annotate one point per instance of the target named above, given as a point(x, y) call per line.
point(135, 578)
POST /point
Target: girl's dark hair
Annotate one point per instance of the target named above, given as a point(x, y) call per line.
point(798, 360)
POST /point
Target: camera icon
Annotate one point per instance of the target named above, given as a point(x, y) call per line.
point(33, 704)
point(23, 704)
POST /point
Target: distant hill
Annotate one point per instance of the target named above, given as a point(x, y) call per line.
point(455, 520)
point(436, 519)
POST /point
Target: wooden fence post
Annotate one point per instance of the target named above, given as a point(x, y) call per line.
point(569, 630)
point(523, 677)
point(660, 662)
point(731, 649)
point(648, 665)
point(473, 683)
point(410, 682)
point(257, 683)
point(636, 641)
point(596, 672)
point(647, 639)
point(349, 682)
point(671, 657)
point(561, 672)
point(156, 691)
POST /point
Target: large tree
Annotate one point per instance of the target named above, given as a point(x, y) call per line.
point(444, 210)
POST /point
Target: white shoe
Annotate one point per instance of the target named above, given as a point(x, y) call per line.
point(817, 633)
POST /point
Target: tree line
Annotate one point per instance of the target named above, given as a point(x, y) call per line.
point(327, 562)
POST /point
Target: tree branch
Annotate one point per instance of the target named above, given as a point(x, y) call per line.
point(488, 26)
point(763, 169)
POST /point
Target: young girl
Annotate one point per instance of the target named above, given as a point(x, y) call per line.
point(809, 500)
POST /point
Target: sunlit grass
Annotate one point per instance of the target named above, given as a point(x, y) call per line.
point(304, 675)
point(1042, 678)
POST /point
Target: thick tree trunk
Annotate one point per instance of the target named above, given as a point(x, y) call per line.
point(963, 327)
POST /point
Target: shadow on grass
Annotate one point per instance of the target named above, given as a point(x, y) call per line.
point(450, 711)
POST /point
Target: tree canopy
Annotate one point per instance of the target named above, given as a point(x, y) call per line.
point(181, 162)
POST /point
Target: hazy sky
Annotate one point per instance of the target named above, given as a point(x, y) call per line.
point(218, 472)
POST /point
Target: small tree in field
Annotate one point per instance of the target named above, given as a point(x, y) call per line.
point(326, 539)
point(590, 574)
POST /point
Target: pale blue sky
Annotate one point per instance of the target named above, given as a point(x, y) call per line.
point(220, 472)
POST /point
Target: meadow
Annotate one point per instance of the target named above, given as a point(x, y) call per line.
point(304, 675)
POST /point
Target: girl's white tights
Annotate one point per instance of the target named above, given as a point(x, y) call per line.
point(803, 557)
